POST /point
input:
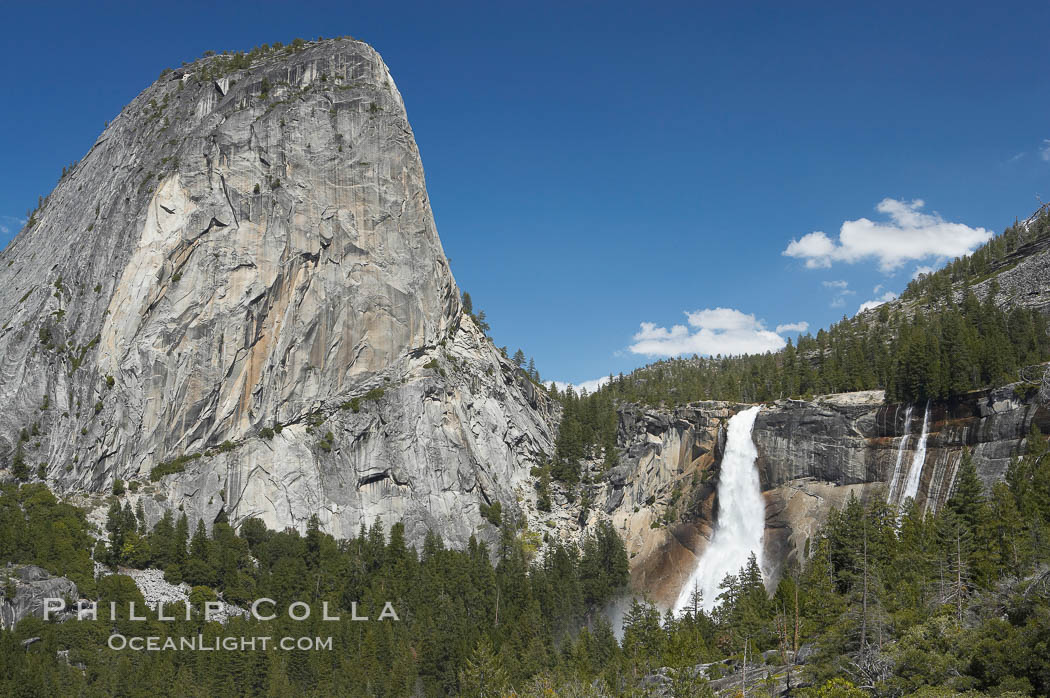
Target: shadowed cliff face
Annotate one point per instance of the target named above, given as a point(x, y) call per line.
point(248, 253)
point(811, 457)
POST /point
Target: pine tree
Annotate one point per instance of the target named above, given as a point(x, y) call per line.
point(483, 675)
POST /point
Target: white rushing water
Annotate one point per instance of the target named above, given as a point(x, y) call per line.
point(900, 456)
point(741, 516)
point(911, 485)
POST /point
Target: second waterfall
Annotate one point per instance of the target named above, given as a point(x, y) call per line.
point(741, 515)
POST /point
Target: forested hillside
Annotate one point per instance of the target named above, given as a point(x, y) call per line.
point(939, 339)
point(956, 603)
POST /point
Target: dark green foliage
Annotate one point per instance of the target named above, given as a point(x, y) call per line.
point(588, 430)
point(374, 394)
point(953, 601)
point(492, 513)
point(938, 352)
point(464, 622)
point(938, 341)
point(543, 491)
point(118, 487)
point(37, 529)
point(176, 465)
point(18, 463)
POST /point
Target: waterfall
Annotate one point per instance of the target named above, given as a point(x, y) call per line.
point(741, 516)
point(900, 456)
point(911, 485)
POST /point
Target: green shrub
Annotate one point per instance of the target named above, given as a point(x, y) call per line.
point(266, 433)
point(18, 465)
point(176, 465)
point(118, 487)
point(492, 513)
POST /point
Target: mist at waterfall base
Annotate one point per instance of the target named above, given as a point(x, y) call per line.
point(741, 516)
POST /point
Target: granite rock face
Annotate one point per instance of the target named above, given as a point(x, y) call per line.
point(244, 251)
point(32, 585)
point(812, 456)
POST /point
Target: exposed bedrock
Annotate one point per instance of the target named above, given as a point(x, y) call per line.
point(811, 456)
point(234, 262)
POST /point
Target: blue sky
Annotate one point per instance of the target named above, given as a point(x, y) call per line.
point(596, 166)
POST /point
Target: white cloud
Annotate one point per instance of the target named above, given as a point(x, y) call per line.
point(590, 386)
point(909, 235)
point(841, 289)
point(876, 302)
point(919, 271)
point(1044, 150)
point(710, 331)
point(792, 327)
point(8, 222)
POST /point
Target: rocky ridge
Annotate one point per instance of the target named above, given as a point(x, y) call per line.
point(812, 456)
point(25, 588)
point(238, 302)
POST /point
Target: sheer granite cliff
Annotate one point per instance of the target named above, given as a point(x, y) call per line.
point(812, 455)
point(244, 273)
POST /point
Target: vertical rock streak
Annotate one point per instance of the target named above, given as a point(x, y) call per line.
point(895, 481)
point(911, 485)
point(741, 515)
